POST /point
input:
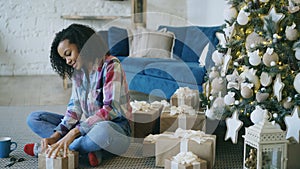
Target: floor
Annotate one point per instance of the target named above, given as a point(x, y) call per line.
point(21, 95)
point(33, 90)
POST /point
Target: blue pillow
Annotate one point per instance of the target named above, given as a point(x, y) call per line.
point(118, 41)
point(195, 40)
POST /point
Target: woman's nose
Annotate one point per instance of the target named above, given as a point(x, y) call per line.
point(68, 61)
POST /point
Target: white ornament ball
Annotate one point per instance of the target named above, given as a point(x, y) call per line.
point(275, 115)
point(228, 100)
point(267, 58)
point(229, 13)
point(246, 92)
point(297, 53)
point(273, 63)
point(237, 102)
point(291, 33)
point(257, 115)
point(297, 82)
point(236, 63)
point(264, 1)
point(242, 18)
point(211, 98)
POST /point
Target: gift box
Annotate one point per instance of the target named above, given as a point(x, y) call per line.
point(170, 122)
point(184, 161)
point(185, 96)
point(149, 143)
point(145, 121)
point(69, 162)
point(167, 146)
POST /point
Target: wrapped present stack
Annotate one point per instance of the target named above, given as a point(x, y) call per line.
point(60, 162)
point(185, 96)
point(184, 112)
point(182, 141)
point(145, 119)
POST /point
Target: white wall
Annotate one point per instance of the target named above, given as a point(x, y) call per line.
point(28, 27)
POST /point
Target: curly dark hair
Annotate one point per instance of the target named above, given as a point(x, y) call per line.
point(89, 44)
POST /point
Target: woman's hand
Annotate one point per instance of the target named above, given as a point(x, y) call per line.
point(62, 144)
point(49, 141)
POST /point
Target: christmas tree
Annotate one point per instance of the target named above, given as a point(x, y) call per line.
point(257, 61)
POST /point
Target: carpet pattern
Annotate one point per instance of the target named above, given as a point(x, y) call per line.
point(13, 124)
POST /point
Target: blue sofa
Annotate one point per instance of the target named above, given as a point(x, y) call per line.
point(161, 77)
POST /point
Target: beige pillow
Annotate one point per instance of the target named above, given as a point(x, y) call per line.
point(151, 43)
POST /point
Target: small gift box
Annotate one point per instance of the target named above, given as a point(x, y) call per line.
point(185, 96)
point(69, 162)
point(185, 160)
point(145, 120)
point(169, 122)
point(201, 144)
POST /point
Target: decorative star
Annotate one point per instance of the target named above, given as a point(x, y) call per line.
point(278, 87)
point(233, 126)
point(293, 124)
point(275, 17)
point(229, 31)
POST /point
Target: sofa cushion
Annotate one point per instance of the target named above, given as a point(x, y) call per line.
point(187, 72)
point(191, 40)
point(180, 33)
point(150, 43)
point(138, 65)
point(118, 41)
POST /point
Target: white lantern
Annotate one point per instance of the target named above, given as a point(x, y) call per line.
point(265, 146)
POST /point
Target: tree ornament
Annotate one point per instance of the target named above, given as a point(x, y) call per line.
point(234, 80)
point(222, 39)
point(253, 39)
point(258, 114)
point(254, 58)
point(218, 107)
point(275, 17)
point(217, 58)
point(260, 97)
point(233, 126)
point(229, 98)
point(217, 85)
point(278, 87)
point(246, 90)
point(287, 103)
point(229, 12)
point(297, 53)
point(214, 73)
point(229, 31)
point(297, 83)
point(264, 1)
point(242, 17)
point(292, 8)
point(227, 59)
point(293, 124)
point(270, 56)
point(250, 74)
point(265, 79)
point(291, 32)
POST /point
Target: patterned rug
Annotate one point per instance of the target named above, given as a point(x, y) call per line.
point(13, 124)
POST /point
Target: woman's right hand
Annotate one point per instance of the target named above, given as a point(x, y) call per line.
point(49, 141)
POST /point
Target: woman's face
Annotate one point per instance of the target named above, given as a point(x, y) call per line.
point(69, 52)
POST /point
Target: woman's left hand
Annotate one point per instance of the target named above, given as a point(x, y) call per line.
point(63, 144)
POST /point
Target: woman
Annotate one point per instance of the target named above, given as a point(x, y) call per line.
point(99, 91)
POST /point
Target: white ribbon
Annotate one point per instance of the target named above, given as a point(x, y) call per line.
point(182, 121)
point(183, 109)
point(185, 158)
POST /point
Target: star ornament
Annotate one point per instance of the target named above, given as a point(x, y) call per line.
point(293, 124)
point(278, 87)
point(233, 126)
point(275, 17)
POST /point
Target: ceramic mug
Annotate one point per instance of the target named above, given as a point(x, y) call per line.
point(5, 146)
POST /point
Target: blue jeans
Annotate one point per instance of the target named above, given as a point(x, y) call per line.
point(105, 135)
